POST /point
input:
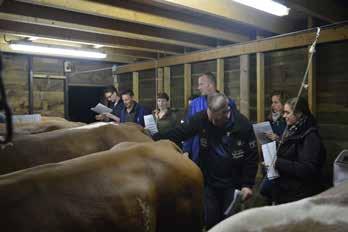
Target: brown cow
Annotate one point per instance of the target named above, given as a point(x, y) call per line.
point(55, 146)
point(325, 212)
point(135, 187)
point(46, 124)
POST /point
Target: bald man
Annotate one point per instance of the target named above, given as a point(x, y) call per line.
point(228, 154)
point(206, 86)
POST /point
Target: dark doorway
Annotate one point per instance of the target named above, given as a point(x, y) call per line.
point(81, 99)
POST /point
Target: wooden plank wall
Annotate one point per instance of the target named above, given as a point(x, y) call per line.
point(332, 98)
point(125, 81)
point(48, 92)
point(15, 74)
point(177, 90)
point(232, 79)
point(98, 78)
point(284, 71)
point(147, 88)
point(197, 70)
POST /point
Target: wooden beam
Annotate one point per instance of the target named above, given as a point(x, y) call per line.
point(136, 85)
point(117, 27)
point(293, 40)
point(220, 73)
point(260, 86)
point(245, 85)
point(65, 31)
point(4, 47)
point(233, 11)
point(187, 83)
point(114, 12)
point(328, 11)
point(166, 77)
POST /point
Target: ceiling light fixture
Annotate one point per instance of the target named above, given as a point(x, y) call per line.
point(268, 6)
point(55, 51)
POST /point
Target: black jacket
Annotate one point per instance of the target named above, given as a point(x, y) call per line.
point(300, 159)
point(228, 156)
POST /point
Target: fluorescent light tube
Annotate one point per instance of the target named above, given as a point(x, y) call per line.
point(46, 50)
point(268, 6)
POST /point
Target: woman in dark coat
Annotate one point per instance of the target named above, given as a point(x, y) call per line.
point(165, 117)
point(301, 155)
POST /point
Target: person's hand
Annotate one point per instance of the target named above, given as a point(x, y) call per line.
point(112, 117)
point(272, 136)
point(247, 193)
point(100, 117)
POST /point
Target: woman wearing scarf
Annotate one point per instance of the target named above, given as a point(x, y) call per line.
point(300, 157)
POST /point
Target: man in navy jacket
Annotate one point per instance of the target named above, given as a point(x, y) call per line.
point(227, 155)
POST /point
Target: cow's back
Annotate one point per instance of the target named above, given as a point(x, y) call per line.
point(325, 212)
point(138, 187)
point(59, 145)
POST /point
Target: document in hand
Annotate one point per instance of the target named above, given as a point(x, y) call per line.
point(150, 124)
point(100, 108)
point(235, 205)
point(269, 152)
point(260, 130)
point(26, 118)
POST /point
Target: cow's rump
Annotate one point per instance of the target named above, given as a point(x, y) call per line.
point(139, 187)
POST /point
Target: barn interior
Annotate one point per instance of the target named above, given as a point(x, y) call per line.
point(153, 46)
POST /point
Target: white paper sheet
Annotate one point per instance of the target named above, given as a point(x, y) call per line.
point(100, 108)
point(26, 118)
point(150, 124)
point(260, 130)
point(269, 151)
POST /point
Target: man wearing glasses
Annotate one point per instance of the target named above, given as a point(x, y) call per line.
point(228, 154)
point(115, 102)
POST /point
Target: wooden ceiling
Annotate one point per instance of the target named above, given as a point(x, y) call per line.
point(136, 30)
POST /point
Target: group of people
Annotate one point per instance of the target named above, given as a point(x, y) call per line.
point(221, 141)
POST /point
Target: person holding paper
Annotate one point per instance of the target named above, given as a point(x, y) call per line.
point(227, 155)
point(275, 117)
point(132, 112)
point(114, 101)
point(301, 155)
point(164, 116)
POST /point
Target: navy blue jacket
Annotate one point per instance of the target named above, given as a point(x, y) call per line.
point(191, 145)
point(140, 112)
point(228, 156)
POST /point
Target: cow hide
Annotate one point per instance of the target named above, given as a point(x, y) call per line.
point(59, 145)
point(326, 212)
point(139, 187)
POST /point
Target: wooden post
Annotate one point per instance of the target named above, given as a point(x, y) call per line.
point(166, 80)
point(30, 85)
point(160, 81)
point(260, 83)
point(245, 85)
point(220, 73)
point(187, 83)
point(136, 85)
point(312, 82)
